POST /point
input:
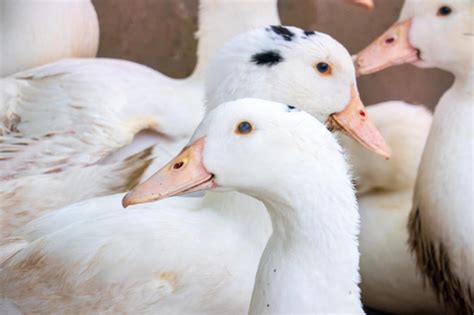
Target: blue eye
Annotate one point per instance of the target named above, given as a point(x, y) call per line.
point(444, 10)
point(244, 128)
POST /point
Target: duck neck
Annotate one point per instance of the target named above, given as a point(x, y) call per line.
point(221, 20)
point(310, 263)
point(456, 105)
point(463, 84)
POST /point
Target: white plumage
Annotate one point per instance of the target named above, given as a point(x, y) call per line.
point(34, 33)
point(75, 113)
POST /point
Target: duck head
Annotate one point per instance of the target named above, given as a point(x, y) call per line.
point(248, 145)
point(435, 33)
point(308, 69)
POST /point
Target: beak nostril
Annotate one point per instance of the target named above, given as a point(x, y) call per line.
point(389, 40)
point(362, 113)
point(178, 165)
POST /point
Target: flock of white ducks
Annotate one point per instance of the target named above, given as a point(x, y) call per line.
point(281, 191)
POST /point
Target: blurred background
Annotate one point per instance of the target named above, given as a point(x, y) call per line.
point(160, 34)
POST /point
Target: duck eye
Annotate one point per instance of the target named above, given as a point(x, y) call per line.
point(444, 10)
point(324, 68)
point(244, 128)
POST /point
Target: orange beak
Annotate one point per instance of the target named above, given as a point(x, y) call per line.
point(367, 4)
point(392, 48)
point(184, 174)
point(355, 122)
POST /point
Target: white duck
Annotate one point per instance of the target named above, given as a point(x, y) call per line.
point(203, 231)
point(390, 281)
point(441, 223)
point(309, 265)
point(64, 116)
point(33, 33)
point(292, 163)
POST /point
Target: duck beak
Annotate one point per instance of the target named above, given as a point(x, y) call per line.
point(367, 4)
point(184, 174)
point(392, 48)
point(355, 122)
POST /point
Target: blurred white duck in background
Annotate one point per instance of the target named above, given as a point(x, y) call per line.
point(205, 248)
point(33, 33)
point(441, 221)
point(390, 281)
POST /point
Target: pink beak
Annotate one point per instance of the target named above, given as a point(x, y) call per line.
point(184, 174)
point(367, 4)
point(392, 48)
point(355, 122)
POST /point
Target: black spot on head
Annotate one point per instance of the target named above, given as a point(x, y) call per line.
point(268, 305)
point(292, 108)
point(309, 33)
point(274, 270)
point(283, 32)
point(267, 57)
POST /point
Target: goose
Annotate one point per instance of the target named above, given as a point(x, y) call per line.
point(224, 261)
point(70, 118)
point(34, 33)
point(440, 223)
point(238, 146)
point(390, 281)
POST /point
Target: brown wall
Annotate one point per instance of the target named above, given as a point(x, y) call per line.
point(160, 34)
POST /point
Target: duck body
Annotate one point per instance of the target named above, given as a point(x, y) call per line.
point(26, 198)
point(390, 281)
point(119, 280)
point(441, 219)
point(96, 95)
point(71, 120)
point(30, 31)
